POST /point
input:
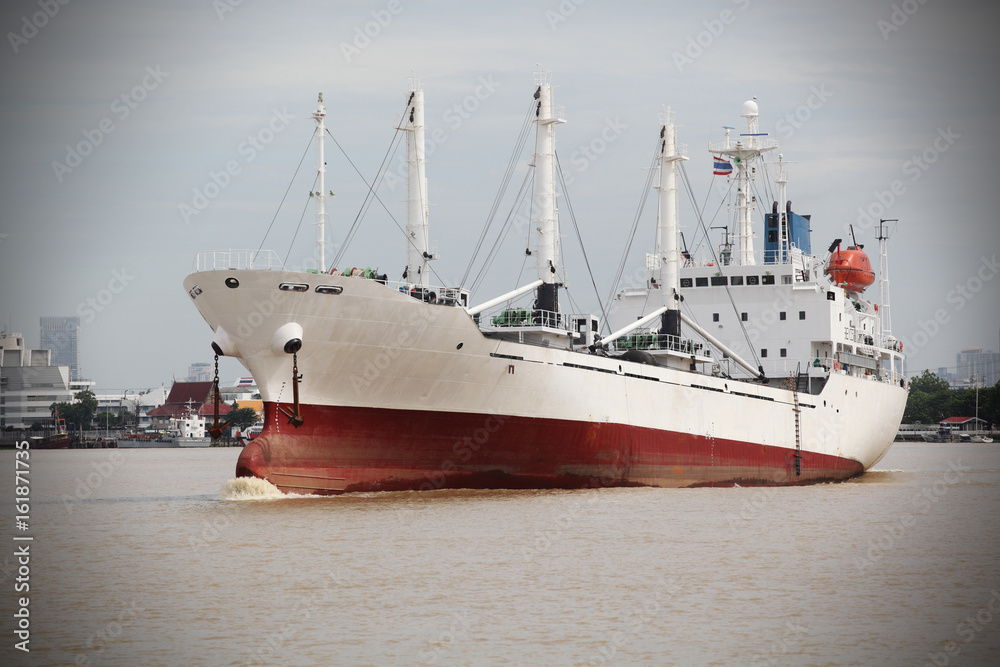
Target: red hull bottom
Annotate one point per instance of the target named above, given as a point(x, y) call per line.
point(340, 449)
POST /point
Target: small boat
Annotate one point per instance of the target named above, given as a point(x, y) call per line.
point(58, 440)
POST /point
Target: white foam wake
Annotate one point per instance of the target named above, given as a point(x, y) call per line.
point(250, 488)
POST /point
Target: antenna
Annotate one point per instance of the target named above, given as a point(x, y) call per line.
point(883, 283)
point(854, 238)
point(726, 251)
point(725, 229)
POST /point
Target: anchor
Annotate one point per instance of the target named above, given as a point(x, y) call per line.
point(217, 429)
point(295, 419)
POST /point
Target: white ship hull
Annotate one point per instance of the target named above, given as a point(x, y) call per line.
point(371, 350)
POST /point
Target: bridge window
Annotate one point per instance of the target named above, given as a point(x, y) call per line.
point(781, 315)
point(715, 317)
point(701, 282)
point(763, 353)
point(802, 314)
point(736, 280)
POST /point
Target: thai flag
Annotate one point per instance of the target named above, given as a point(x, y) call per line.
point(722, 167)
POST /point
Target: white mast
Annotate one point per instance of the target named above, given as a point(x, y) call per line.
point(546, 220)
point(783, 240)
point(883, 283)
point(418, 253)
point(668, 229)
point(751, 145)
point(319, 115)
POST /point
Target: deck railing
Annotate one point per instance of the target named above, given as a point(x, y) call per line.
point(237, 260)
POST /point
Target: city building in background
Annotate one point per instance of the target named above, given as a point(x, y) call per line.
point(974, 367)
point(186, 398)
point(62, 336)
point(244, 389)
point(132, 401)
point(29, 384)
point(201, 372)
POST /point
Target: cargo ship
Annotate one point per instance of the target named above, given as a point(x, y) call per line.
point(733, 368)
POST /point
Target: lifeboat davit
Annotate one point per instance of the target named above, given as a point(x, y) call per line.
point(851, 269)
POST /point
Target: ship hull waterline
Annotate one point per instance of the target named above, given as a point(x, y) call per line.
point(389, 385)
point(348, 449)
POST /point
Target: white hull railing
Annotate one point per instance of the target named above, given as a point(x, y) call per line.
point(237, 260)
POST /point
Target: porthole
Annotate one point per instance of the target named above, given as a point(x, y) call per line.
point(232, 283)
point(459, 346)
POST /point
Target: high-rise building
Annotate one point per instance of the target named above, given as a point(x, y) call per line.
point(975, 366)
point(201, 372)
point(62, 336)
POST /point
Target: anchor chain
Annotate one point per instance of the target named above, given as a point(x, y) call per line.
point(217, 429)
point(294, 418)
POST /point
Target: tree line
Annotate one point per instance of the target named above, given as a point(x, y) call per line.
point(932, 399)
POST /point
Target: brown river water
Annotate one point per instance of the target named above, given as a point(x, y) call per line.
point(159, 557)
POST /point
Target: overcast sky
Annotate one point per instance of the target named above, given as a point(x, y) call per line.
point(116, 115)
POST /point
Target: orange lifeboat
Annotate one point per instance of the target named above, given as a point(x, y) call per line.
point(851, 269)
